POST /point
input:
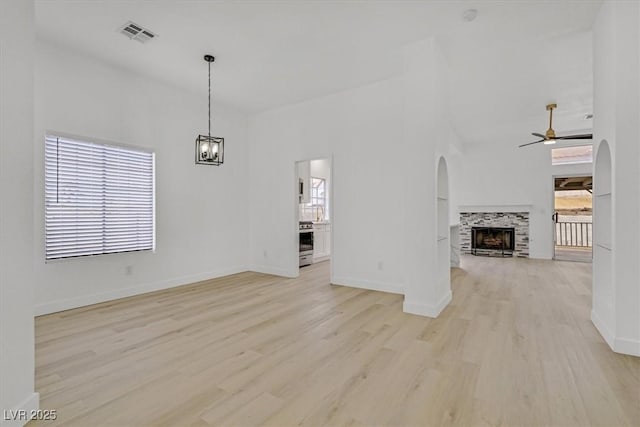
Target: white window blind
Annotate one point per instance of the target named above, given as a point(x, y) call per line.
point(99, 198)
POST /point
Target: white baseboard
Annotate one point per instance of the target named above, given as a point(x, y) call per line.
point(368, 284)
point(264, 269)
point(606, 333)
point(427, 310)
point(84, 300)
point(21, 414)
point(627, 346)
point(617, 344)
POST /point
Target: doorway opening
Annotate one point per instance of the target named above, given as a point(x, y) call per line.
point(573, 218)
point(314, 211)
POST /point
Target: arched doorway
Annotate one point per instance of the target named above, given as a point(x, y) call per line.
point(443, 233)
point(602, 288)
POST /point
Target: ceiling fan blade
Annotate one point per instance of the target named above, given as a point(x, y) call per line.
point(530, 143)
point(581, 136)
point(539, 135)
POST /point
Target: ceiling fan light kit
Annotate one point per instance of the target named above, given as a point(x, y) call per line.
point(550, 137)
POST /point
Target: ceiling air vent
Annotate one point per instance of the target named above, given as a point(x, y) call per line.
point(137, 32)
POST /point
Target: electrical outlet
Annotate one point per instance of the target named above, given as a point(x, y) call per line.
point(128, 270)
point(380, 265)
point(265, 254)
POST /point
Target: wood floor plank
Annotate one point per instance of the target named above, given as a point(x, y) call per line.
point(515, 347)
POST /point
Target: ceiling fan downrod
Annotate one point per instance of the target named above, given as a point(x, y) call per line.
point(550, 133)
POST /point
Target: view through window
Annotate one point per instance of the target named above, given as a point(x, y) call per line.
point(572, 155)
point(318, 208)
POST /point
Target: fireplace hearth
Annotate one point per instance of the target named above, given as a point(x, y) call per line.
point(493, 241)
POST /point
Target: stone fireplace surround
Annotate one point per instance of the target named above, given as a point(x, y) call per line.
point(496, 216)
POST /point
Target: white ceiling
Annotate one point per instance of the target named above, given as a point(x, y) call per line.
point(504, 67)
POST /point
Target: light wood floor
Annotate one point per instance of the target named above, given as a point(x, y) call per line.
point(515, 347)
point(568, 253)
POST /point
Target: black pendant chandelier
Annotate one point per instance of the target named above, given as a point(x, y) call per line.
point(209, 149)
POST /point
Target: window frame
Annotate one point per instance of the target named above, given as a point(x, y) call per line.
point(572, 145)
point(308, 209)
point(314, 189)
point(100, 142)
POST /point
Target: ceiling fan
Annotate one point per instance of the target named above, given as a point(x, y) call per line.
point(550, 135)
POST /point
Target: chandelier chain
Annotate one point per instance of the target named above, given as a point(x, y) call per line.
point(209, 98)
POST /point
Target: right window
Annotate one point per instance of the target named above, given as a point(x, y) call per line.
point(318, 207)
point(572, 155)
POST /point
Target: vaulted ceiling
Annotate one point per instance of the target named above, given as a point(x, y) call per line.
point(504, 66)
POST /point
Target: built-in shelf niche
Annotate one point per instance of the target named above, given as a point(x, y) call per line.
point(443, 231)
point(603, 287)
point(443, 217)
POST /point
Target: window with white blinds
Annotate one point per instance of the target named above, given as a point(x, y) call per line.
point(99, 198)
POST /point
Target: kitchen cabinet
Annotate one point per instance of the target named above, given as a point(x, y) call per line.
point(304, 181)
point(321, 241)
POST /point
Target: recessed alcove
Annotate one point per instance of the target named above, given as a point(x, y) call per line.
point(443, 230)
point(603, 302)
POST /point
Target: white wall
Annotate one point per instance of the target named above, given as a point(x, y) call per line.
point(17, 33)
point(359, 128)
point(503, 174)
point(426, 137)
point(616, 120)
point(201, 211)
point(385, 140)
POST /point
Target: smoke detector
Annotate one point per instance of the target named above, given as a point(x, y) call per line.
point(137, 32)
point(469, 15)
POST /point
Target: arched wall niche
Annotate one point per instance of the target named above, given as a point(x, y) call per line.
point(603, 310)
point(443, 233)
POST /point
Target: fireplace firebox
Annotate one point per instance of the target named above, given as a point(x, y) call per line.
point(493, 241)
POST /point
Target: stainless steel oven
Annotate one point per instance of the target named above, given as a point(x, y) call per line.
point(306, 243)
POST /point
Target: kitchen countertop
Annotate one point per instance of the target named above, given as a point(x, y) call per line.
point(322, 222)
